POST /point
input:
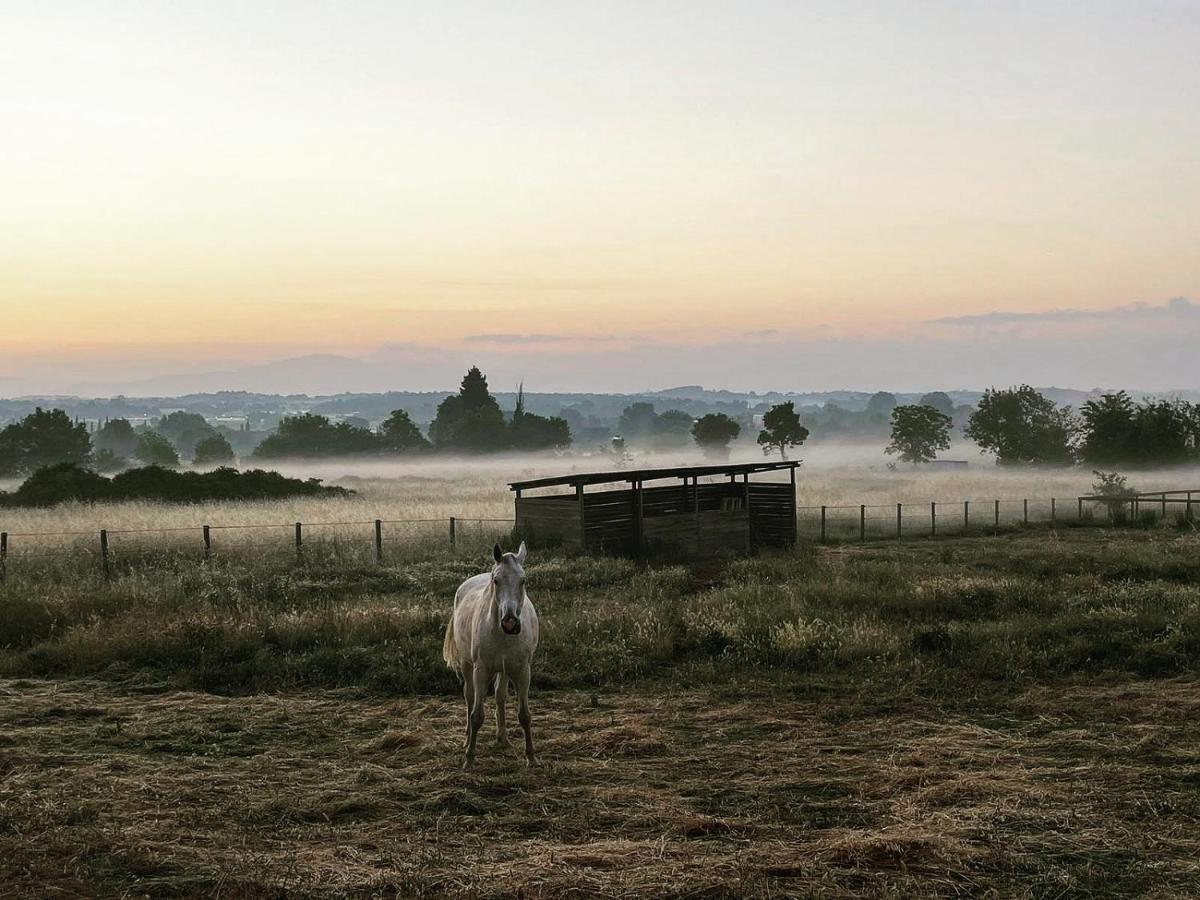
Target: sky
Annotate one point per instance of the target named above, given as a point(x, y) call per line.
point(599, 196)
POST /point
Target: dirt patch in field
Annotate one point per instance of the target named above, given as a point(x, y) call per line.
point(1065, 791)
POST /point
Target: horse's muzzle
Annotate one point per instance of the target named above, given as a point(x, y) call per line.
point(511, 624)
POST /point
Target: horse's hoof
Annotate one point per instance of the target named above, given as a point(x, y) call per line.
point(468, 765)
point(504, 743)
point(531, 762)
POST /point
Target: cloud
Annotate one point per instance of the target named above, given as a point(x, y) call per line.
point(1178, 307)
point(519, 339)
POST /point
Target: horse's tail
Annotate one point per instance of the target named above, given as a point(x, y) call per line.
point(449, 648)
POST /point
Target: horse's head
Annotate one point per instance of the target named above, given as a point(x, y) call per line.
point(508, 586)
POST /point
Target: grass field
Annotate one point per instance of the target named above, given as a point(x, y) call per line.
point(1012, 715)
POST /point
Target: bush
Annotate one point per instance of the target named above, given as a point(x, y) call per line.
point(64, 482)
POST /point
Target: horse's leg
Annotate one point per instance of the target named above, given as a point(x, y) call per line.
point(523, 716)
point(469, 696)
point(476, 721)
point(501, 699)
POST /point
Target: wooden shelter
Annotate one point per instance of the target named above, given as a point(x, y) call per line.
point(712, 509)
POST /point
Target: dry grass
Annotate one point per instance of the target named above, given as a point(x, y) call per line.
point(1076, 790)
point(469, 489)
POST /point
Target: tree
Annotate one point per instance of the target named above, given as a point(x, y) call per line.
point(308, 434)
point(470, 420)
point(43, 438)
point(918, 433)
point(1166, 432)
point(637, 421)
point(184, 430)
point(213, 450)
point(400, 434)
point(155, 450)
point(781, 429)
point(940, 401)
point(713, 433)
point(115, 437)
point(881, 403)
point(671, 429)
point(1019, 425)
point(529, 431)
point(1109, 429)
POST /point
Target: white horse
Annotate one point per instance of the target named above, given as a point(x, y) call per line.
point(492, 634)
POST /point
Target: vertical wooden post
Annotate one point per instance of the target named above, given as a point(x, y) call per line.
point(299, 539)
point(1025, 510)
point(453, 532)
point(639, 537)
point(749, 514)
point(207, 542)
point(4, 552)
point(1187, 509)
point(582, 518)
point(1079, 509)
point(862, 521)
point(378, 540)
point(1163, 497)
point(966, 514)
point(696, 509)
point(104, 552)
point(1053, 509)
point(822, 524)
point(899, 520)
point(933, 518)
point(795, 523)
point(996, 518)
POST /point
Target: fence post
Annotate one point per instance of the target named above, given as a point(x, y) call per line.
point(1163, 497)
point(822, 524)
point(996, 518)
point(862, 521)
point(1053, 509)
point(1025, 510)
point(933, 518)
point(104, 551)
point(1079, 510)
point(378, 540)
point(207, 542)
point(966, 515)
point(299, 539)
point(453, 536)
point(899, 515)
point(4, 548)
point(1187, 514)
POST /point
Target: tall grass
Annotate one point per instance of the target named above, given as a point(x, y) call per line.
point(1036, 604)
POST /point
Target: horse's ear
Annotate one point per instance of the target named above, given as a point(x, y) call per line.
point(521, 553)
point(497, 553)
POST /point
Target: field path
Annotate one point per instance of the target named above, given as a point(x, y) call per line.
point(1079, 790)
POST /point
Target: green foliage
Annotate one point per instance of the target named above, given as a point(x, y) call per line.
point(400, 434)
point(940, 401)
point(671, 429)
point(534, 432)
point(636, 421)
point(69, 482)
point(117, 437)
point(155, 450)
point(918, 433)
point(309, 435)
point(184, 430)
point(1117, 431)
point(1019, 425)
point(781, 429)
point(881, 403)
point(713, 434)
point(470, 421)
point(213, 449)
point(42, 438)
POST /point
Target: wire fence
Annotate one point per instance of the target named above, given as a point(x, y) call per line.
point(827, 523)
point(108, 546)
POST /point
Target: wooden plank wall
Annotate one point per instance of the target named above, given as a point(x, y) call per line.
point(549, 521)
point(707, 533)
point(772, 515)
point(609, 523)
